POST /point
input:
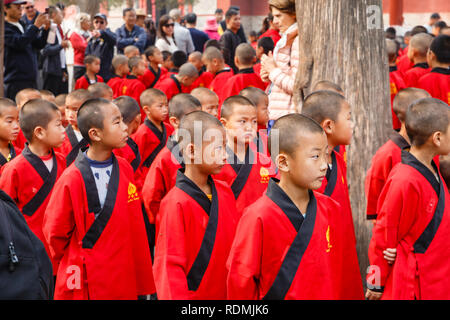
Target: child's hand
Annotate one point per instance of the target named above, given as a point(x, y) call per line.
point(390, 254)
point(372, 295)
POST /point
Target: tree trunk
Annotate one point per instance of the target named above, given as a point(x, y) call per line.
point(2, 48)
point(343, 42)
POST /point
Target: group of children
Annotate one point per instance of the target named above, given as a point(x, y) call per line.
point(168, 183)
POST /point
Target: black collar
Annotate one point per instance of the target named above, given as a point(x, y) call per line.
point(223, 70)
point(188, 186)
point(159, 134)
point(174, 148)
point(176, 82)
point(441, 71)
point(392, 68)
point(247, 70)
point(234, 161)
point(409, 159)
point(399, 140)
point(131, 77)
point(12, 153)
point(422, 65)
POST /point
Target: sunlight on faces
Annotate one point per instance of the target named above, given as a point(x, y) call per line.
point(262, 110)
point(130, 17)
point(157, 57)
point(242, 125)
point(210, 104)
point(140, 69)
point(94, 67)
point(52, 136)
point(307, 166)
point(159, 110)
point(442, 141)
point(72, 106)
point(9, 123)
point(114, 133)
point(340, 131)
point(282, 20)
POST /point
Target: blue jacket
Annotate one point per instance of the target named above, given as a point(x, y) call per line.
point(20, 57)
point(52, 60)
point(126, 38)
point(103, 47)
point(199, 38)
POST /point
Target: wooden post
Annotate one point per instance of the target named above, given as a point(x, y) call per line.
point(396, 12)
point(2, 48)
point(343, 41)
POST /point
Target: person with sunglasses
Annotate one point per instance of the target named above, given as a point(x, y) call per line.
point(30, 13)
point(102, 45)
point(165, 40)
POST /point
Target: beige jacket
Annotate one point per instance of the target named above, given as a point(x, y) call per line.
point(282, 78)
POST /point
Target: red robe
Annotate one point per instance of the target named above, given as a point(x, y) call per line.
point(160, 179)
point(243, 79)
point(437, 83)
point(260, 144)
point(220, 79)
point(20, 141)
point(13, 152)
point(84, 82)
point(203, 81)
point(131, 153)
point(71, 146)
point(274, 34)
point(413, 75)
point(335, 186)
point(115, 83)
point(414, 218)
point(28, 182)
point(171, 87)
point(249, 179)
point(396, 84)
point(404, 64)
point(278, 254)
point(98, 258)
point(152, 77)
point(133, 87)
point(194, 241)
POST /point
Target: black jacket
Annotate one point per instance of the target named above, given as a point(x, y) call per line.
point(103, 47)
point(52, 60)
point(20, 57)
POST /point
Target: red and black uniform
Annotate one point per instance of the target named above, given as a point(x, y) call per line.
point(437, 83)
point(84, 82)
point(404, 64)
point(396, 84)
point(171, 87)
point(115, 83)
point(280, 253)
point(71, 145)
point(203, 81)
point(413, 75)
point(194, 241)
point(20, 141)
point(273, 34)
point(152, 77)
point(133, 87)
point(105, 248)
point(414, 218)
point(219, 81)
point(13, 152)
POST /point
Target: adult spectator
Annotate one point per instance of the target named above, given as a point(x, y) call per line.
point(140, 17)
point(435, 17)
point(79, 40)
point(272, 32)
point(150, 30)
point(181, 35)
point(281, 67)
point(211, 28)
point(219, 15)
point(223, 25)
point(165, 41)
point(30, 15)
point(129, 34)
point(230, 39)
point(55, 67)
point(102, 45)
point(198, 37)
point(20, 61)
point(437, 28)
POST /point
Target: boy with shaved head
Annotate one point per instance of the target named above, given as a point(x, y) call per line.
point(417, 53)
point(208, 99)
point(178, 83)
point(215, 64)
point(22, 97)
point(204, 77)
point(414, 215)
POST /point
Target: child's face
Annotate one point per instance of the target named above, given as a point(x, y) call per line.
point(53, 136)
point(198, 64)
point(343, 126)
point(159, 110)
point(9, 123)
point(210, 104)
point(133, 53)
point(72, 106)
point(210, 66)
point(213, 151)
point(259, 52)
point(115, 132)
point(62, 111)
point(242, 125)
point(263, 111)
point(123, 69)
point(187, 81)
point(94, 67)
point(307, 166)
point(444, 147)
point(157, 57)
point(140, 69)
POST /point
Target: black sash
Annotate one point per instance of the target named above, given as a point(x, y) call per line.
point(425, 239)
point(176, 82)
point(12, 153)
point(331, 176)
point(162, 136)
point(89, 80)
point(174, 148)
point(198, 269)
point(304, 228)
point(103, 214)
point(48, 178)
point(242, 170)
point(399, 141)
point(392, 68)
point(134, 147)
point(76, 145)
point(157, 76)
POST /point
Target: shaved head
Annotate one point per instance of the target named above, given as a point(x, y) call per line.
point(421, 43)
point(245, 53)
point(405, 98)
point(188, 70)
point(322, 105)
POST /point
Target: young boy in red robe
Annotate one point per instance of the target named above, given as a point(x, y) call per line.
point(121, 70)
point(178, 83)
point(162, 174)
point(260, 99)
point(208, 99)
point(22, 97)
point(74, 141)
point(389, 155)
point(154, 72)
point(60, 102)
point(246, 77)
point(92, 64)
point(437, 82)
point(204, 77)
point(265, 45)
point(417, 53)
point(93, 223)
point(199, 218)
point(131, 85)
point(413, 214)
point(30, 177)
point(9, 130)
point(289, 243)
point(215, 64)
point(333, 113)
point(246, 171)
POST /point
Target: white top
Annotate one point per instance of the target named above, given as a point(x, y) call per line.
point(162, 45)
point(18, 25)
point(78, 135)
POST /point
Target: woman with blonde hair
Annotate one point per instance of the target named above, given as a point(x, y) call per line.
point(280, 68)
point(79, 40)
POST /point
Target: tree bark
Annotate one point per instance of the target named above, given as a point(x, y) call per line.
point(343, 42)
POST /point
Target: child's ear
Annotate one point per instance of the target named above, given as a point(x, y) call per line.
point(39, 132)
point(236, 61)
point(328, 126)
point(146, 109)
point(282, 162)
point(189, 153)
point(174, 122)
point(436, 138)
point(224, 122)
point(94, 134)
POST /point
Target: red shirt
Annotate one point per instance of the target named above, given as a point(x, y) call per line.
point(203, 81)
point(79, 45)
point(396, 84)
point(274, 34)
point(437, 83)
point(133, 87)
point(115, 83)
point(171, 87)
point(218, 83)
point(404, 64)
point(84, 82)
point(152, 77)
point(413, 75)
